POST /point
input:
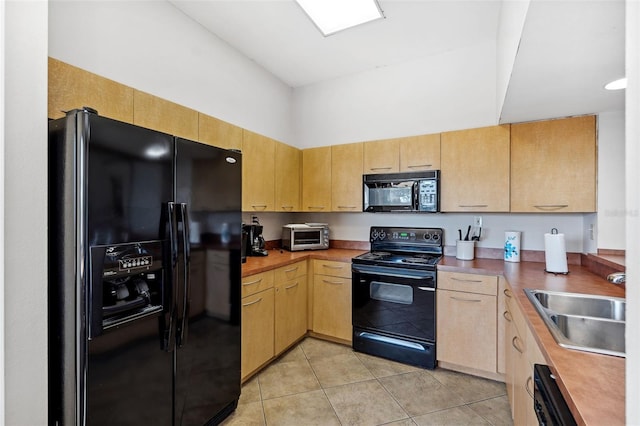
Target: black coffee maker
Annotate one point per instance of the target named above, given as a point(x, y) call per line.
point(255, 240)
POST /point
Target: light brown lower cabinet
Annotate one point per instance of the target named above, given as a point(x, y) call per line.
point(467, 321)
point(522, 352)
point(257, 331)
point(332, 299)
point(290, 305)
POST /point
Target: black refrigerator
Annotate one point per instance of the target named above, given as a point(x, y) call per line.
point(144, 276)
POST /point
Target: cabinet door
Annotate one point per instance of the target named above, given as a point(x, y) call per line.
point(257, 330)
point(215, 132)
point(510, 333)
point(164, 116)
point(287, 178)
point(316, 179)
point(467, 329)
point(332, 306)
point(420, 153)
point(553, 166)
point(475, 170)
point(72, 88)
point(290, 312)
point(522, 401)
point(258, 172)
point(502, 324)
point(382, 156)
point(346, 177)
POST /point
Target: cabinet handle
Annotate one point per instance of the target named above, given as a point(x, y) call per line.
point(259, 206)
point(419, 165)
point(381, 168)
point(291, 270)
point(287, 207)
point(507, 316)
point(252, 282)
point(347, 207)
point(551, 206)
point(316, 207)
point(513, 343)
point(473, 205)
point(466, 300)
point(507, 292)
point(333, 267)
point(333, 282)
point(526, 387)
point(465, 280)
point(292, 286)
point(252, 303)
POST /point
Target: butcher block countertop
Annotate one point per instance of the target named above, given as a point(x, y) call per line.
point(592, 384)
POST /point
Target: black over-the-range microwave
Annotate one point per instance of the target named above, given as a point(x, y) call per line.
point(402, 192)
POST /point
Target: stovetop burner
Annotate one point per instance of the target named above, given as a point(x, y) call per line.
point(422, 259)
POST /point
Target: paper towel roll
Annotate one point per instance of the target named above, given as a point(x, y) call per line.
point(555, 253)
point(512, 246)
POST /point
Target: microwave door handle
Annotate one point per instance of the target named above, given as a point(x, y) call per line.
point(415, 191)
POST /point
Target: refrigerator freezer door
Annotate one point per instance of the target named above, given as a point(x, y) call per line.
point(108, 183)
point(208, 184)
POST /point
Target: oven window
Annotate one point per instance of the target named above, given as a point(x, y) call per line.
point(306, 237)
point(395, 293)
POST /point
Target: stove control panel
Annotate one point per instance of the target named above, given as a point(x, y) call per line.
point(422, 236)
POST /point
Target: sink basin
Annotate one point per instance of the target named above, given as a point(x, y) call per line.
point(583, 322)
point(581, 304)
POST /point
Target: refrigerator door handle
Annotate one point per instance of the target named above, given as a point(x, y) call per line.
point(186, 252)
point(169, 341)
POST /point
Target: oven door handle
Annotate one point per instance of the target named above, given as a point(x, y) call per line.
point(427, 288)
point(392, 272)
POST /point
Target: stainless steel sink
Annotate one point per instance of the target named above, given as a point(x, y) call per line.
point(583, 322)
point(581, 304)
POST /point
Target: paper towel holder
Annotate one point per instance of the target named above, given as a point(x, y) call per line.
point(555, 231)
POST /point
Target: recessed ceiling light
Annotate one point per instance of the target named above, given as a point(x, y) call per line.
point(621, 83)
point(331, 16)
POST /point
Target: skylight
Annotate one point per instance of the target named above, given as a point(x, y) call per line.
point(331, 16)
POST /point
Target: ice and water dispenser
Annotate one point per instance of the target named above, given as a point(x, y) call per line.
point(127, 283)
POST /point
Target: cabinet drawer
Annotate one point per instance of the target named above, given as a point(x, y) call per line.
point(470, 283)
point(258, 282)
point(333, 268)
point(289, 272)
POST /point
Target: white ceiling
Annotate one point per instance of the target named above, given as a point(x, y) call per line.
point(569, 49)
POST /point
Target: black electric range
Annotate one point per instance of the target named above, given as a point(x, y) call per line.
point(393, 295)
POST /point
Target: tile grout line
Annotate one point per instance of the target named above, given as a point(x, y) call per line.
point(320, 383)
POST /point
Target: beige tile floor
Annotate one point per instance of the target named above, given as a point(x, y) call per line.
point(322, 383)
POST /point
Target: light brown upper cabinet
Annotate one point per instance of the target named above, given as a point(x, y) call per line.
point(553, 166)
point(419, 153)
point(164, 116)
point(381, 156)
point(215, 132)
point(475, 170)
point(258, 172)
point(287, 178)
point(316, 179)
point(73, 88)
point(346, 177)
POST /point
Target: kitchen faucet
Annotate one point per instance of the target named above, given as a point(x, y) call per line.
point(617, 278)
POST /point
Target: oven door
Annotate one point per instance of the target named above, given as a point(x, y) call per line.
point(394, 313)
